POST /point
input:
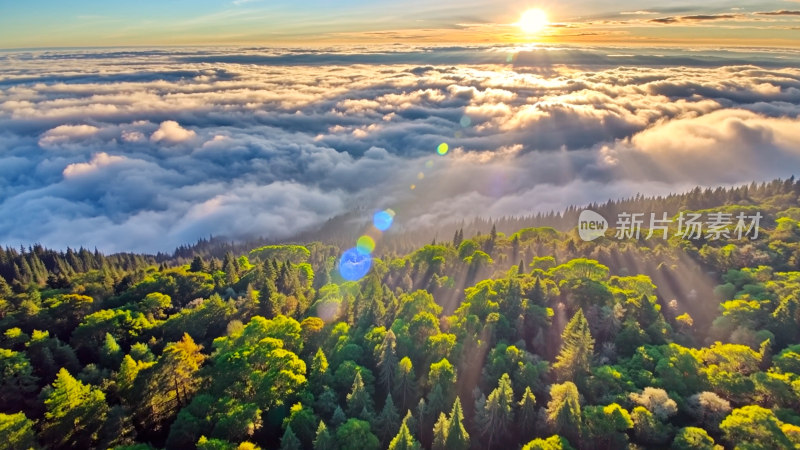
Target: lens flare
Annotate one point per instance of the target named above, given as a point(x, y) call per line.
point(533, 21)
point(443, 148)
point(429, 164)
point(465, 121)
point(365, 245)
point(354, 265)
point(420, 176)
point(383, 219)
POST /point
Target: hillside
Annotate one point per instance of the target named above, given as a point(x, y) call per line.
point(490, 333)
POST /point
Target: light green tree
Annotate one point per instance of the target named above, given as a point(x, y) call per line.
point(577, 348)
point(75, 414)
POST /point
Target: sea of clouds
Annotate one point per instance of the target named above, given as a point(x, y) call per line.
point(144, 150)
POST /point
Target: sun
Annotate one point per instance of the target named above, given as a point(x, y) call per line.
point(533, 21)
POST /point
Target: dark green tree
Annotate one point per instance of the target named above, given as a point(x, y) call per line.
point(323, 439)
point(388, 421)
point(497, 415)
point(527, 414)
point(387, 361)
point(356, 435)
point(289, 440)
point(457, 436)
point(358, 399)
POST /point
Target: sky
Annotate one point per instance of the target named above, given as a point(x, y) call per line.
point(81, 23)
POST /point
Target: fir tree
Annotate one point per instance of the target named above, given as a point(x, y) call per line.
point(387, 362)
point(404, 440)
point(498, 412)
point(323, 440)
point(388, 420)
point(338, 417)
point(527, 414)
point(358, 398)
point(289, 441)
point(457, 436)
point(576, 349)
point(440, 429)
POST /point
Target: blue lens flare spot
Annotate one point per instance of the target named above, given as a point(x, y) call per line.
point(354, 265)
point(383, 220)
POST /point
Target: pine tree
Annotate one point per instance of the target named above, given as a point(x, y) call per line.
point(387, 363)
point(458, 238)
point(576, 349)
point(421, 408)
point(198, 265)
point(230, 267)
point(358, 398)
point(5, 290)
point(388, 420)
point(75, 413)
point(440, 433)
point(404, 440)
point(111, 353)
point(515, 247)
point(536, 295)
point(405, 387)
point(338, 417)
point(498, 412)
point(318, 374)
point(170, 384)
point(457, 436)
point(436, 402)
point(564, 410)
point(289, 441)
point(480, 405)
point(527, 414)
point(323, 440)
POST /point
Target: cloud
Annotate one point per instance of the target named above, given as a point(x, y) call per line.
point(275, 142)
point(98, 161)
point(782, 12)
point(66, 133)
point(169, 131)
point(695, 18)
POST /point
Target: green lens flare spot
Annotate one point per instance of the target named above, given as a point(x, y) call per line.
point(365, 245)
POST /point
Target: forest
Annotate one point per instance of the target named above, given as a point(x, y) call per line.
point(509, 333)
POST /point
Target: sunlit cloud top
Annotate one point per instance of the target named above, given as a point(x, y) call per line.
point(135, 149)
point(50, 23)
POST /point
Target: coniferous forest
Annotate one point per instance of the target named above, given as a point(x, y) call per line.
point(486, 334)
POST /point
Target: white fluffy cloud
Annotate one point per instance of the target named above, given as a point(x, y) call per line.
point(99, 160)
point(170, 131)
point(66, 133)
point(167, 147)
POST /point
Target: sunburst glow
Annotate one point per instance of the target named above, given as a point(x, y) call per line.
point(533, 21)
